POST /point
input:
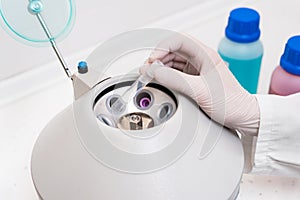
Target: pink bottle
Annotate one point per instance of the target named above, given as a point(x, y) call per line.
point(286, 77)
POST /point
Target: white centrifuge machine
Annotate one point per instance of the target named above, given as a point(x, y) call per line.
point(158, 145)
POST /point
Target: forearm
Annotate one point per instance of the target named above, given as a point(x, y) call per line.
point(278, 144)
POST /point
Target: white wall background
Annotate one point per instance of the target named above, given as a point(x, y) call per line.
point(32, 91)
point(25, 69)
point(96, 21)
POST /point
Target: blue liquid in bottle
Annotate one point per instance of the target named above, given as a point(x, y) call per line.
point(241, 48)
point(245, 71)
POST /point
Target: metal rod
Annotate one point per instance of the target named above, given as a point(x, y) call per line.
point(53, 44)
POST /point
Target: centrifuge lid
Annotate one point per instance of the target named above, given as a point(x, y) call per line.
point(20, 19)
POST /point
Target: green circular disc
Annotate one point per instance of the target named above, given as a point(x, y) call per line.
point(21, 18)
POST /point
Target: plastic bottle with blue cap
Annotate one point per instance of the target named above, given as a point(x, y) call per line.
point(241, 47)
point(285, 78)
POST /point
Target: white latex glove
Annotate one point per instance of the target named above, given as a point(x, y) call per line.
point(198, 72)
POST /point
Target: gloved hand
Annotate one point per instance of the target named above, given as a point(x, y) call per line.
point(198, 72)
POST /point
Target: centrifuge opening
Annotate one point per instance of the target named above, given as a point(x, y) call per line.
point(152, 105)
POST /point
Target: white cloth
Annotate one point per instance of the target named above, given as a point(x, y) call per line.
point(278, 142)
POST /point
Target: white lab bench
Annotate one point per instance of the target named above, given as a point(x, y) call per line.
point(23, 114)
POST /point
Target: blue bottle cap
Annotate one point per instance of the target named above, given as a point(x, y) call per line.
point(243, 25)
point(290, 60)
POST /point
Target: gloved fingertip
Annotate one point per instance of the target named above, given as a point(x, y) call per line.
point(173, 79)
point(148, 61)
point(157, 55)
point(143, 69)
point(165, 74)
